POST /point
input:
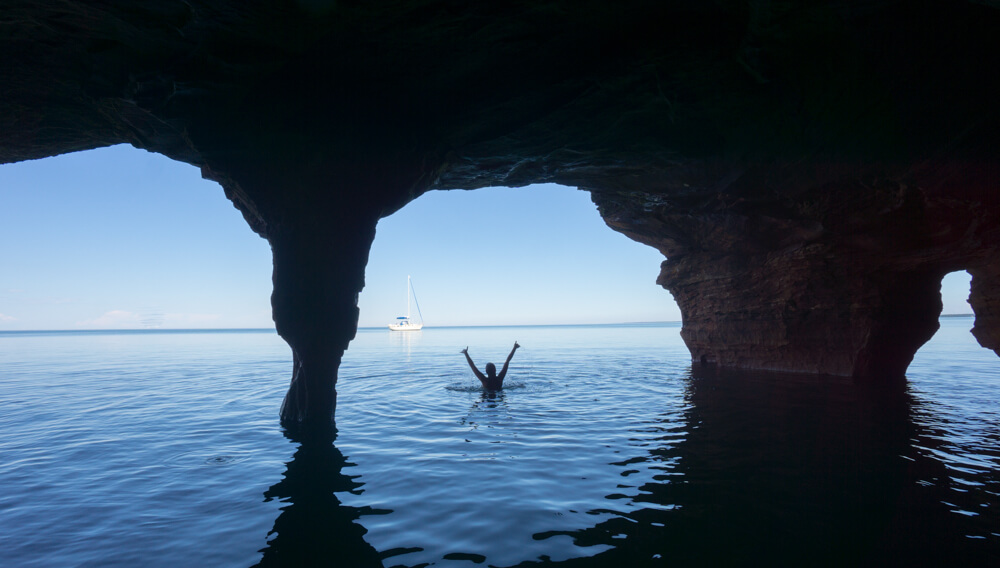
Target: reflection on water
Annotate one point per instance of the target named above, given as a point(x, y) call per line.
point(759, 469)
point(406, 341)
point(780, 470)
point(770, 470)
point(314, 528)
point(154, 450)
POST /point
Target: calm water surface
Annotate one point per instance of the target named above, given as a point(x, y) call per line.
point(606, 449)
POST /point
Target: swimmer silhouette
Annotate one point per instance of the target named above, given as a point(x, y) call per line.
point(491, 380)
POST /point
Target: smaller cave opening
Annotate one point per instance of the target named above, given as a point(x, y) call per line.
point(955, 294)
point(953, 349)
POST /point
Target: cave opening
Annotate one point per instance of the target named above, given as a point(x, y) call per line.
point(952, 342)
point(955, 294)
point(511, 256)
point(122, 238)
point(151, 244)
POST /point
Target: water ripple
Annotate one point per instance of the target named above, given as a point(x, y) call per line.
point(606, 448)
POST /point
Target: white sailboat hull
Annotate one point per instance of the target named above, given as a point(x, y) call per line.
point(406, 326)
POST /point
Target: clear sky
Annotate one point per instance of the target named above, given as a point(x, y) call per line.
point(123, 238)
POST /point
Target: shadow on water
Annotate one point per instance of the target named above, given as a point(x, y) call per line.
point(784, 470)
point(314, 527)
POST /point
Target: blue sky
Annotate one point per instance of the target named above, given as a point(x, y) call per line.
point(123, 238)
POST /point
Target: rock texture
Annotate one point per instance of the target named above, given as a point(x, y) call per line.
point(810, 170)
point(847, 289)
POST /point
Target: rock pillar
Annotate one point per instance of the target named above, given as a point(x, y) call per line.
point(319, 270)
point(318, 209)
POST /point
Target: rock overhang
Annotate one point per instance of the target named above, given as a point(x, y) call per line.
point(588, 94)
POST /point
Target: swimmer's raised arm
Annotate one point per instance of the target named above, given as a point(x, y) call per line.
point(479, 375)
point(503, 372)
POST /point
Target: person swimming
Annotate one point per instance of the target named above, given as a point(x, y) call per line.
point(491, 380)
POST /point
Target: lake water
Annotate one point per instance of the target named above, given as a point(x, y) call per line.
point(606, 449)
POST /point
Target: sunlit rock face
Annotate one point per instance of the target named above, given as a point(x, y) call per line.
point(809, 171)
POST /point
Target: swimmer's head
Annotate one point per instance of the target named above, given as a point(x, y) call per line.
point(491, 369)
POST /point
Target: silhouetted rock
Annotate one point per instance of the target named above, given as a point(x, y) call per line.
point(810, 171)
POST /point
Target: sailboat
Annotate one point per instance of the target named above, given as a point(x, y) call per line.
point(403, 323)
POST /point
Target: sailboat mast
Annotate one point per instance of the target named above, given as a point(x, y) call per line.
point(407, 296)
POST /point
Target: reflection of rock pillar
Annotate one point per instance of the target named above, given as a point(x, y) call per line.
point(802, 311)
point(984, 297)
point(318, 274)
point(314, 527)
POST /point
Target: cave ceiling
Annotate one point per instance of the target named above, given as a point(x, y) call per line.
point(677, 100)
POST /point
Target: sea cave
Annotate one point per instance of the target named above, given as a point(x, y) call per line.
point(810, 173)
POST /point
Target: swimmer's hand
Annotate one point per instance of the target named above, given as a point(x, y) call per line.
point(516, 345)
point(465, 351)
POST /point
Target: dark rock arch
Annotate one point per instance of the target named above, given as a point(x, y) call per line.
point(807, 170)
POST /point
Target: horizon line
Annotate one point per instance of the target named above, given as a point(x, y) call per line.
point(173, 329)
point(170, 329)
